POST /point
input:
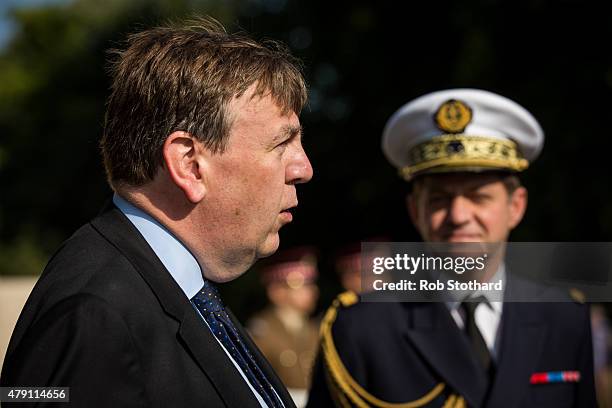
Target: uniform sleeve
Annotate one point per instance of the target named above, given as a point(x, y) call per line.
point(338, 359)
point(84, 344)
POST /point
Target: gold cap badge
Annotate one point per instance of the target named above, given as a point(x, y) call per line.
point(453, 116)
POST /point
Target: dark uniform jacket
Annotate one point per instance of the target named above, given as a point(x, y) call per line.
point(107, 320)
point(378, 353)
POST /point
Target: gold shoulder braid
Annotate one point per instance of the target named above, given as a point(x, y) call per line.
point(577, 295)
point(345, 390)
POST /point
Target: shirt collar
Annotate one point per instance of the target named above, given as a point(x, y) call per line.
point(492, 301)
point(177, 259)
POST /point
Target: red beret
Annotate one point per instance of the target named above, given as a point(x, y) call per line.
point(294, 267)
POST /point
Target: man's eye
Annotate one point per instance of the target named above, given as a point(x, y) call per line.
point(437, 199)
point(283, 144)
point(479, 197)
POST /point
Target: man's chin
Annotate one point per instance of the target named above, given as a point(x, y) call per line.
point(269, 246)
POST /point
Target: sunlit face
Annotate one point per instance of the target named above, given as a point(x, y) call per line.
point(465, 207)
point(302, 298)
point(252, 185)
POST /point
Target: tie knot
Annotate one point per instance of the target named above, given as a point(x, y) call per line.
point(208, 299)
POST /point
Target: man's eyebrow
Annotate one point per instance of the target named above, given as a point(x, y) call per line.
point(470, 188)
point(289, 131)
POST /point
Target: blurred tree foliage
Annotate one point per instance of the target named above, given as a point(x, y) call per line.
point(51, 113)
point(362, 61)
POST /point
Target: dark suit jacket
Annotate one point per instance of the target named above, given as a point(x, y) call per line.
point(107, 320)
point(399, 352)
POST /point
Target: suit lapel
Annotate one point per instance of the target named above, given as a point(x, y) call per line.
point(197, 338)
point(444, 346)
point(215, 363)
point(263, 363)
point(523, 332)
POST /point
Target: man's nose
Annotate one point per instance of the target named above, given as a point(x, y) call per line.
point(459, 211)
point(299, 170)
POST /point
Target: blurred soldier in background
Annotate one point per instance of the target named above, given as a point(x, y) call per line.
point(348, 264)
point(284, 331)
point(601, 340)
point(348, 267)
point(461, 150)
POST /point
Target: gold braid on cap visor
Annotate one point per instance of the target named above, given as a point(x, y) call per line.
point(449, 152)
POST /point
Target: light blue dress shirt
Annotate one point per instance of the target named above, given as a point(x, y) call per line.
point(177, 259)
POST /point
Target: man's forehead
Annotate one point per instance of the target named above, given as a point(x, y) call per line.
point(251, 109)
point(256, 97)
point(451, 182)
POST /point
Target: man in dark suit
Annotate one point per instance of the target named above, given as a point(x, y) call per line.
point(461, 149)
point(202, 146)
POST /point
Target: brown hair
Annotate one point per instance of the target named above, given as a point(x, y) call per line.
point(182, 77)
point(511, 182)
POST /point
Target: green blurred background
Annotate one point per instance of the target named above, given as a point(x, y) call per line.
point(362, 61)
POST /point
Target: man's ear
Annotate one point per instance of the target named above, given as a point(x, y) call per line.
point(185, 164)
point(518, 205)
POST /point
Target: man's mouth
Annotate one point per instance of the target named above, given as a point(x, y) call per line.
point(466, 237)
point(287, 213)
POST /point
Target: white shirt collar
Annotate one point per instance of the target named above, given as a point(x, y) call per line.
point(177, 259)
point(492, 300)
point(488, 317)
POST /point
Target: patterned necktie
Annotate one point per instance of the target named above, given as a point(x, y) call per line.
point(212, 309)
point(479, 346)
